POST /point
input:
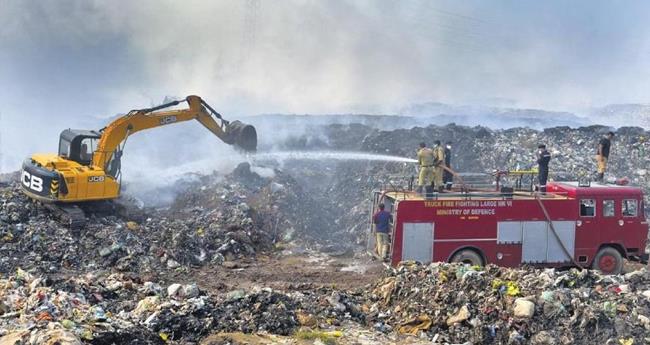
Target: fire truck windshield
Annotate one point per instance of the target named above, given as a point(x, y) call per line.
point(629, 208)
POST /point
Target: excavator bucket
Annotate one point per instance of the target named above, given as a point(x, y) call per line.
point(242, 135)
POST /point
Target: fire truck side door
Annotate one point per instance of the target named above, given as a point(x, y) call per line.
point(418, 242)
point(588, 233)
point(609, 214)
point(628, 222)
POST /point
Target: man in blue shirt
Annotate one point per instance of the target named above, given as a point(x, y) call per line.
point(382, 220)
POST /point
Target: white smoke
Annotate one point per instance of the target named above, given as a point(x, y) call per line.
point(64, 63)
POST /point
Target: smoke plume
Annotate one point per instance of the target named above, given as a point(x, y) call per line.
point(73, 63)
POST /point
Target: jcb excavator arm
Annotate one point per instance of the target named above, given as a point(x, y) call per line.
point(75, 174)
point(234, 133)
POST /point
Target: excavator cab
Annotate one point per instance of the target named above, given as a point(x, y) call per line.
point(78, 145)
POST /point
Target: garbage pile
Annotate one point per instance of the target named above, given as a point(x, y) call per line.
point(121, 308)
point(452, 303)
point(39, 310)
point(442, 303)
point(284, 204)
point(215, 218)
point(190, 233)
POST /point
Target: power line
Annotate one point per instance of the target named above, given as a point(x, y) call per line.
point(456, 15)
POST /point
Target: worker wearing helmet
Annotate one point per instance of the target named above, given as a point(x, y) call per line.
point(543, 158)
point(382, 220)
point(439, 163)
point(603, 154)
point(426, 162)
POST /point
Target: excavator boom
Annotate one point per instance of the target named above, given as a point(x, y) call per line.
point(235, 133)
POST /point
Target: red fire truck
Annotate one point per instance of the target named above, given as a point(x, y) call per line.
point(590, 225)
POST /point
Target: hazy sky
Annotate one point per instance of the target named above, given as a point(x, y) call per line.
point(62, 63)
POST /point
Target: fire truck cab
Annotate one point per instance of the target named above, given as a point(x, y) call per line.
point(571, 224)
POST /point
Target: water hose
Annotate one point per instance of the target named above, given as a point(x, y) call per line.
point(460, 179)
point(557, 237)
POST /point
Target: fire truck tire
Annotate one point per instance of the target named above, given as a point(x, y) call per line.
point(468, 256)
point(608, 261)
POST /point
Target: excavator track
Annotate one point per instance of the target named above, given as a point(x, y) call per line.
point(70, 215)
point(74, 215)
point(121, 207)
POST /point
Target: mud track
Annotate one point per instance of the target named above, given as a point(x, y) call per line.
point(286, 272)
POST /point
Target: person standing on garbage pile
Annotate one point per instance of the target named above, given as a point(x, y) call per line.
point(426, 173)
point(637, 145)
point(448, 177)
point(602, 156)
point(543, 158)
point(382, 220)
point(439, 163)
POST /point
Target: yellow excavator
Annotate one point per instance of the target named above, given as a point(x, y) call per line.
point(87, 167)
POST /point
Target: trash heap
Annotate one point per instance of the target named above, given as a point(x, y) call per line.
point(182, 315)
point(452, 303)
point(442, 303)
point(283, 204)
point(121, 308)
point(190, 233)
point(38, 310)
point(215, 218)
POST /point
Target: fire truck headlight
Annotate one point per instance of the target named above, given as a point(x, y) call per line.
point(620, 222)
point(579, 223)
point(499, 256)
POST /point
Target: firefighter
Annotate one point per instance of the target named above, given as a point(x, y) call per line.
point(426, 161)
point(382, 220)
point(447, 176)
point(439, 163)
point(602, 155)
point(543, 158)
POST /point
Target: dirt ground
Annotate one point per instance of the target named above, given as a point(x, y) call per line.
point(352, 334)
point(296, 270)
point(287, 270)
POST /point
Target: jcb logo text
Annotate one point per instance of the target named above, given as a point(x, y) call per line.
point(32, 182)
point(167, 120)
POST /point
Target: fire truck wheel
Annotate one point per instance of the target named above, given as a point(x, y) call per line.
point(468, 256)
point(608, 261)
